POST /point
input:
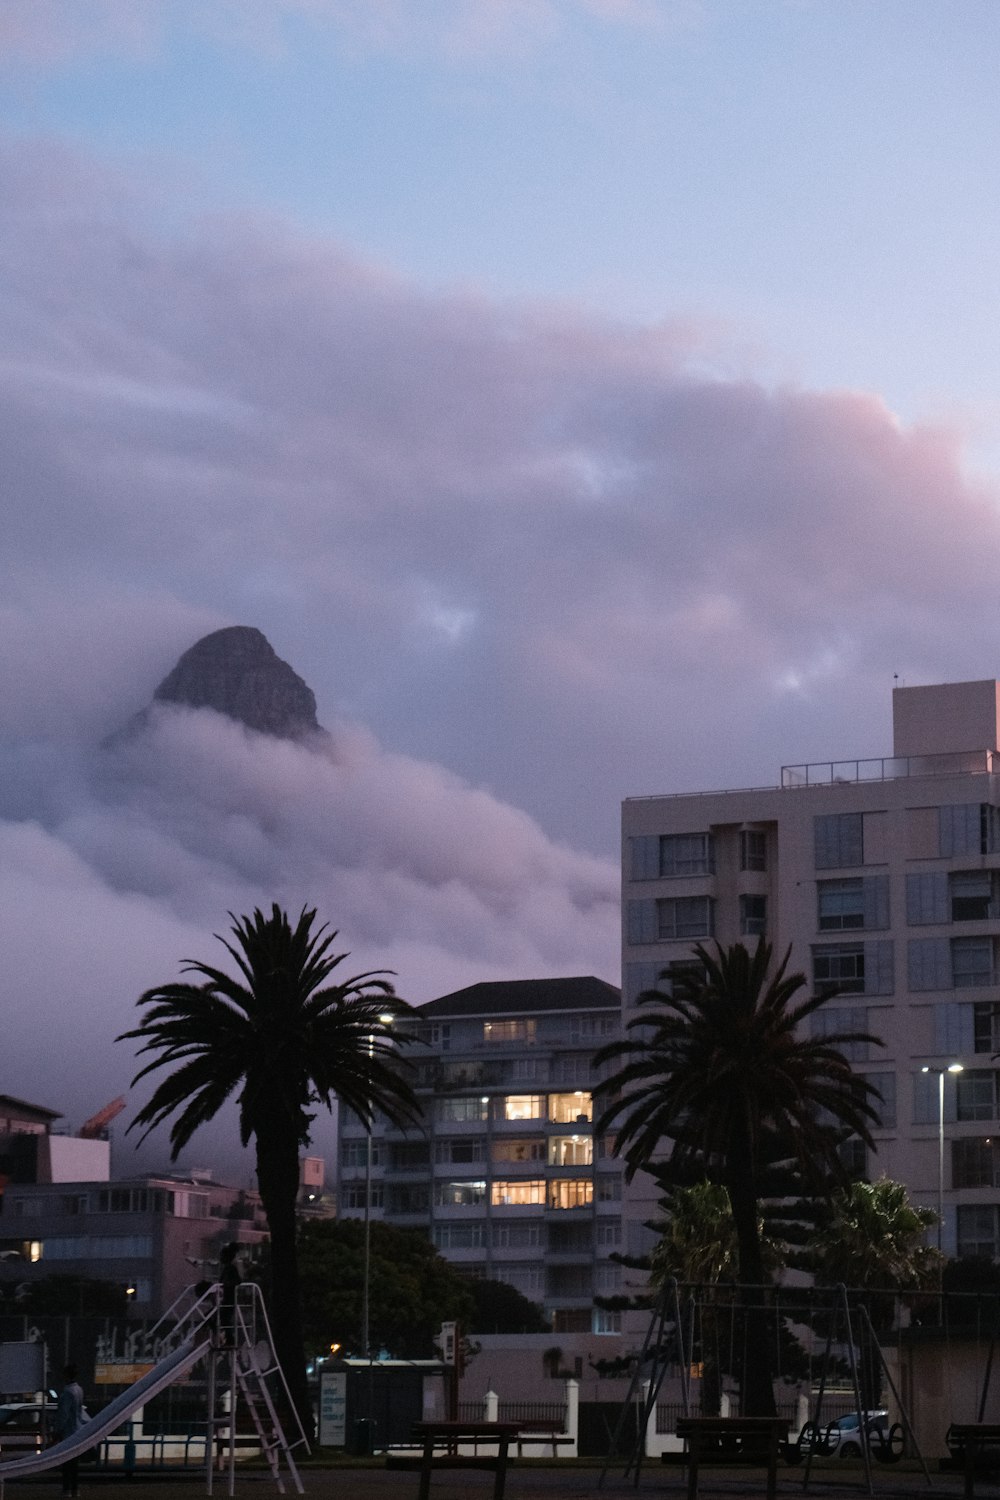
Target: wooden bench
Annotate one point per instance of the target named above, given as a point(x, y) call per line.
point(449, 1437)
point(976, 1445)
point(545, 1431)
point(751, 1438)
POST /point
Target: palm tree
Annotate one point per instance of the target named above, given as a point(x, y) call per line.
point(874, 1241)
point(717, 1069)
point(281, 1039)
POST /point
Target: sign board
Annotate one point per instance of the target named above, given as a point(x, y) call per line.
point(114, 1372)
point(22, 1367)
point(333, 1408)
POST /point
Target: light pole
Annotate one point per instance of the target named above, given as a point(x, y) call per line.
point(955, 1067)
point(366, 1275)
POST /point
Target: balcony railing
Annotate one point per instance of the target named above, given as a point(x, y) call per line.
point(887, 768)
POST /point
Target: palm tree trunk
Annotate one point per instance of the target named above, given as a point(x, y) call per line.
point(278, 1180)
point(756, 1381)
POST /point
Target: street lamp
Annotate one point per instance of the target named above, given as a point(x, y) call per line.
point(366, 1280)
point(955, 1067)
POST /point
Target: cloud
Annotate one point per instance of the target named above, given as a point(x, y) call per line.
point(51, 33)
point(529, 560)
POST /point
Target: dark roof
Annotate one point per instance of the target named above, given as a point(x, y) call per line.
point(22, 1110)
point(512, 996)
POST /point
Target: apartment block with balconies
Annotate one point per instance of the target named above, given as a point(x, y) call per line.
point(509, 1180)
point(883, 877)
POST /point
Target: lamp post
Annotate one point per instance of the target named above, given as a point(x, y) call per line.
point(955, 1067)
point(366, 1277)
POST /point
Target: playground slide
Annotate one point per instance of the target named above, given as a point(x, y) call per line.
point(169, 1369)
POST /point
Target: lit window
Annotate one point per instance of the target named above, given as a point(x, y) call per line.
point(571, 1192)
point(516, 1194)
point(570, 1109)
point(524, 1107)
point(510, 1031)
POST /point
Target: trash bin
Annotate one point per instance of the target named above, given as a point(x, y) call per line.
point(364, 1433)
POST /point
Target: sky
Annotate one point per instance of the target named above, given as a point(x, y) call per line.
point(588, 398)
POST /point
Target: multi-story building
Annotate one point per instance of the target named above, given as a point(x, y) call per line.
point(506, 1178)
point(883, 877)
point(151, 1235)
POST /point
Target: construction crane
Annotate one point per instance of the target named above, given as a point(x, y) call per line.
point(94, 1128)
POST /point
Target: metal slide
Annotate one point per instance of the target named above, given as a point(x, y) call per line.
point(172, 1367)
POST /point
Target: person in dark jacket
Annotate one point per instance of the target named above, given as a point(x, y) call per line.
point(69, 1420)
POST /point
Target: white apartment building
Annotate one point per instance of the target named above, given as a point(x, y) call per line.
point(506, 1177)
point(884, 877)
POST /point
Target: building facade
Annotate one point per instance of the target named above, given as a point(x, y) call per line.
point(506, 1177)
point(883, 877)
point(151, 1235)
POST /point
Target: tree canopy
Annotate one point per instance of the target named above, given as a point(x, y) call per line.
point(278, 1039)
point(717, 1070)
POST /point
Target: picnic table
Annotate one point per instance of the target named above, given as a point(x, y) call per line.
point(441, 1442)
point(748, 1437)
point(972, 1442)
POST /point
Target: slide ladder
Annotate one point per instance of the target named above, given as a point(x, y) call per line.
point(255, 1374)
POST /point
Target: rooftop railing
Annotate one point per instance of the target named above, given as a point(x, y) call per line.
point(887, 768)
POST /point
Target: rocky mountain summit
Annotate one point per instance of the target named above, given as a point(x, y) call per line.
point(237, 672)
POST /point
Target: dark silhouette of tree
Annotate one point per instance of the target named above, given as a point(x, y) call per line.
point(281, 1038)
point(873, 1239)
point(711, 1074)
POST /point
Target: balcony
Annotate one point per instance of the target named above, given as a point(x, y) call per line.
point(887, 768)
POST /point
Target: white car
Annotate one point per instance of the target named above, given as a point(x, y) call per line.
point(842, 1438)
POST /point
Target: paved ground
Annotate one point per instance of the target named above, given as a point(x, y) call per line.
point(570, 1481)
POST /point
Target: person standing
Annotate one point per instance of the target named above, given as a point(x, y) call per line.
point(69, 1420)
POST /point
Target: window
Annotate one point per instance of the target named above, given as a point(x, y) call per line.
point(838, 840)
point(753, 916)
point(608, 1233)
point(570, 1238)
point(529, 1070)
point(459, 1236)
point(570, 1109)
point(986, 1026)
point(885, 1083)
point(592, 1028)
point(833, 1020)
point(570, 1192)
point(528, 1280)
point(95, 1246)
point(523, 1107)
point(609, 1187)
point(409, 1156)
point(450, 1110)
point(753, 849)
point(841, 904)
point(571, 1151)
point(685, 917)
point(967, 828)
point(977, 1230)
point(436, 1034)
point(527, 1149)
point(853, 1155)
point(606, 1321)
point(973, 1162)
point(355, 1153)
point(522, 1030)
point(409, 1199)
point(520, 1235)
point(971, 962)
point(607, 1276)
point(686, 854)
point(353, 1194)
point(975, 1094)
point(461, 1149)
point(459, 1194)
point(842, 964)
point(573, 1067)
point(514, 1194)
point(971, 893)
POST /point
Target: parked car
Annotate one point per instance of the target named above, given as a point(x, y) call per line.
point(842, 1438)
point(25, 1426)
